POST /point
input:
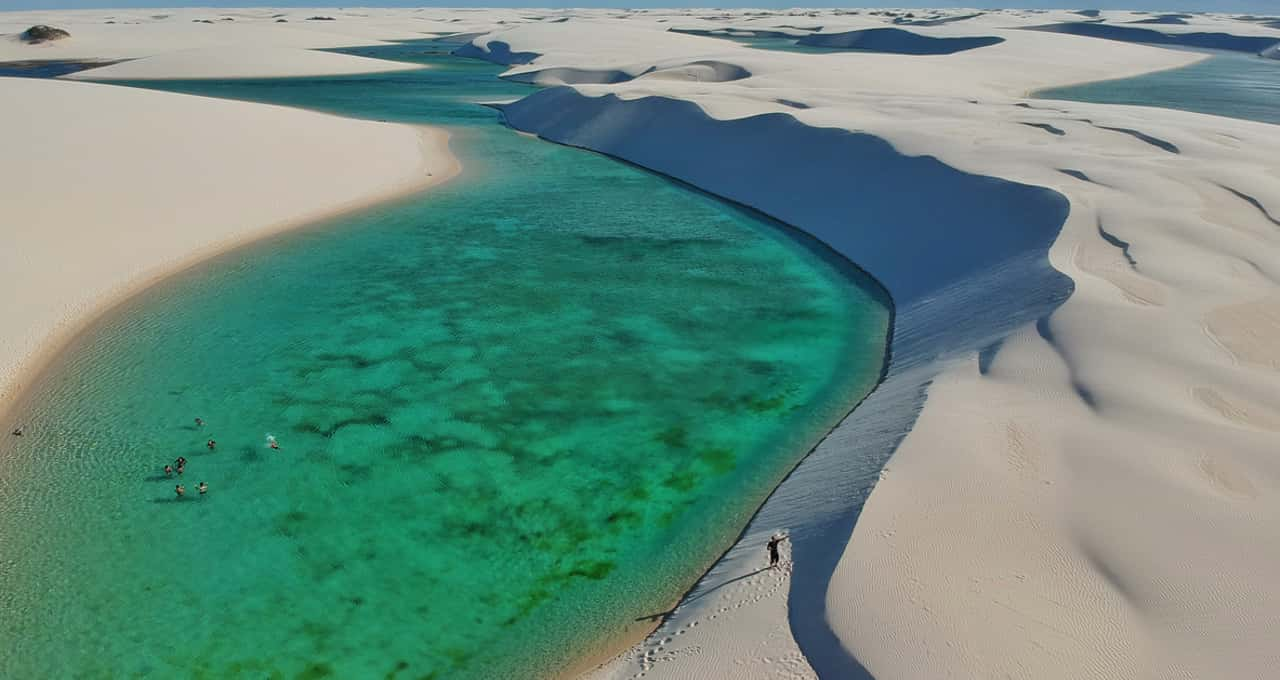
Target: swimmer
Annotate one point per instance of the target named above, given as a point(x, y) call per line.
point(212, 445)
point(168, 471)
point(181, 469)
point(180, 490)
point(199, 422)
point(204, 488)
point(180, 462)
point(271, 441)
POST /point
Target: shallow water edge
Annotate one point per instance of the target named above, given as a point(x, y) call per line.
point(36, 367)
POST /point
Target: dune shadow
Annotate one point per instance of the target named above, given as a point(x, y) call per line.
point(496, 51)
point(896, 41)
point(965, 269)
point(703, 593)
point(1133, 34)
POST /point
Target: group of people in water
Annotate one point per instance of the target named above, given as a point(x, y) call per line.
point(180, 465)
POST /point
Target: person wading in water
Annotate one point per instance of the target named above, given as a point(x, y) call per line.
point(774, 541)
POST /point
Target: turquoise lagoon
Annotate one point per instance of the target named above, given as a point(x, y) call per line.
point(1227, 84)
point(518, 415)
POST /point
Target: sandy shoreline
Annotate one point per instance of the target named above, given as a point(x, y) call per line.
point(31, 368)
point(383, 162)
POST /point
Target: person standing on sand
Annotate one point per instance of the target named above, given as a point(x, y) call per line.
point(773, 548)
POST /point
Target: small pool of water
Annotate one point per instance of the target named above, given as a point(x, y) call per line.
point(1228, 84)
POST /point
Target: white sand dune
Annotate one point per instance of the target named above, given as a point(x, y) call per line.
point(239, 62)
point(1090, 486)
point(98, 205)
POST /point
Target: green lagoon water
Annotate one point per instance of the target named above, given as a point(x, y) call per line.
point(1228, 84)
point(516, 414)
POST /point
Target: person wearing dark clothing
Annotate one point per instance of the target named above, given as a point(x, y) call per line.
point(774, 541)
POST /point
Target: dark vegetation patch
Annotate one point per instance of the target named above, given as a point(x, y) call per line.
point(42, 33)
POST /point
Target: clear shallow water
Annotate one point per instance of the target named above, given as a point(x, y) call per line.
point(1229, 84)
point(516, 414)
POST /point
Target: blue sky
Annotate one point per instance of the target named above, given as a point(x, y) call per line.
point(1255, 6)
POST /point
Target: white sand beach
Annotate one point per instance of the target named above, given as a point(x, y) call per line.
point(99, 205)
point(1079, 431)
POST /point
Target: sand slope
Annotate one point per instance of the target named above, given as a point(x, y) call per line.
point(1090, 488)
point(96, 205)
